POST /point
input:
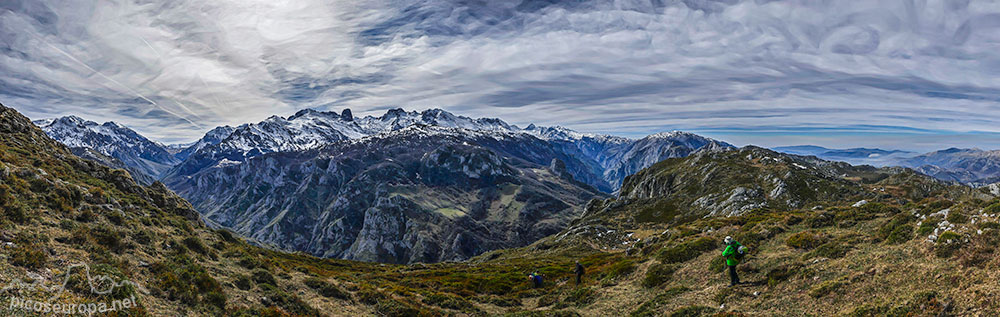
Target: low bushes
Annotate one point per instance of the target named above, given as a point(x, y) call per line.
point(782, 273)
point(367, 294)
point(263, 277)
point(193, 243)
point(821, 220)
point(824, 288)
point(658, 274)
point(582, 296)
point(897, 230)
point(805, 240)
point(243, 282)
point(693, 311)
point(450, 302)
point(831, 250)
point(186, 281)
point(980, 251)
point(326, 289)
point(947, 244)
point(28, 256)
point(547, 300)
point(992, 209)
point(621, 269)
point(686, 251)
point(392, 307)
point(652, 307)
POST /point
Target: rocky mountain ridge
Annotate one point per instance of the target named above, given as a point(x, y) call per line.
point(114, 140)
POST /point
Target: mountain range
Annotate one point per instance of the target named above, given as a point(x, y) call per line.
point(968, 166)
point(855, 156)
point(142, 157)
point(402, 187)
point(425, 186)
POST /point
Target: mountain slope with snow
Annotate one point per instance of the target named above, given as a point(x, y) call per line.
point(113, 140)
point(418, 194)
point(398, 187)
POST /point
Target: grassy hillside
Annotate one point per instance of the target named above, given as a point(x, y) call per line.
point(874, 259)
point(914, 247)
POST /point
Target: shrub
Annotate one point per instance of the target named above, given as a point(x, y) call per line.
point(393, 307)
point(830, 250)
point(6, 195)
point(143, 236)
point(866, 212)
point(658, 274)
point(938, 205)
point(503, 301)
point(947, 244)
point(992, 209)
point(824, 219)
point(989, 225)
point(949, 237)
point(450, 302)
point(326, 289)
point(115, 217)
point(980, 250)
point(897, 230)
point(792, 220)
point(651, 308)
point(15, 212)
point(215, 298)
point(547, 300)
point(186, 281)
point(957, 217)
point(927, 226)
point(262, 276)
point(693, 311)
point(582, 296)
point(243, 282)
point(292, 304)
point(194, 244)
point(67, 224)
point(621, 269)
point(86, 216)
point(717, 265)
point(227, 236)
point(367, 294)
point(686, 251)
point(28, 256)
point(824, 288)
point(250, 262)
point(781, 273)
point(805, 240)
point(107, 237)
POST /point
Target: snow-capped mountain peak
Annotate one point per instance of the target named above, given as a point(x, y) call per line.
point(110, 139)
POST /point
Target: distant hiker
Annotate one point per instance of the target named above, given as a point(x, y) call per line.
point(734, 253)
point(579, 272)
point(536, 279)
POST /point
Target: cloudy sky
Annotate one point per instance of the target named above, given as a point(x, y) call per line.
point(897, 74)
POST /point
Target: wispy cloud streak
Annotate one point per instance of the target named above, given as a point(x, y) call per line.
point(627, 67)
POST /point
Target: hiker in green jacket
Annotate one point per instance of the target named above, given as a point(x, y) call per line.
point(733, 253)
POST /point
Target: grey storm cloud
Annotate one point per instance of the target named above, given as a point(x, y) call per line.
point(175, 69)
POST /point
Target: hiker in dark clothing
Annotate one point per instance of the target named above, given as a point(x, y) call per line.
point(734, 253)
point(536, 279)
point(579, 272)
